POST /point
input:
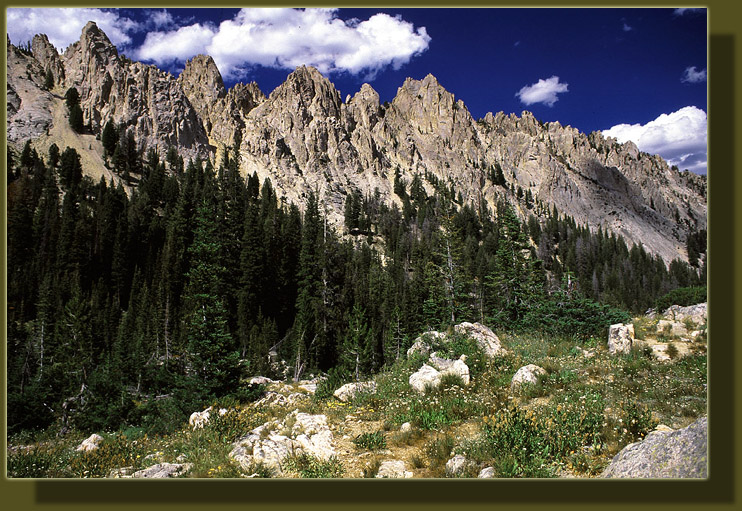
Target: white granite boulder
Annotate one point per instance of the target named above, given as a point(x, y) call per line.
point(620, 338)
point(484, 337)
point(91, 443)
point(348, 391)
point(527, 374)
point(426, 376)
point(393, 469)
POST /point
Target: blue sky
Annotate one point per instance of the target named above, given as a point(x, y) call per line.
point(636, 74)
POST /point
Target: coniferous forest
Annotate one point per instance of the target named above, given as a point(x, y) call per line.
point(138, 308)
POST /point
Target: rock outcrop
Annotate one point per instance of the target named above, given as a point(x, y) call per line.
point(664, 454)
point(271, 443)
point(162, 471)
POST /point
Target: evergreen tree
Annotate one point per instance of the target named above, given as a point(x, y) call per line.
point(214, 361)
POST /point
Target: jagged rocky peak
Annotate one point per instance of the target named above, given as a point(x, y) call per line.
point(308, 90)
point(48, 56)
point(364, 106)
point(201, 78)
point(96, 43)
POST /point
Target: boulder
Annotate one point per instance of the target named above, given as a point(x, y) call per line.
point(456, 466)
point(426, 376)
point(423, 343)
point(163, 470)
point(620, 338)
point(393, 469)
point(446, 366)
point(526, 374)
point(404, 428)
point(664, 454)
point(261, 380)
point(313, 435)
point(485, 338)
point(348, 391)
point(91, 443)
point(486, 473)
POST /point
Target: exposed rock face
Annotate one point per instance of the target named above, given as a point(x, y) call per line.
point(665, 454)
point(696, 313)
point(620, 338)
point(527, 374)
point(144, 98)
point(222, 112)
point(29, 107)
point(48, 56)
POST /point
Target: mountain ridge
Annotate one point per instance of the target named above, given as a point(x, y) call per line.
point(304, 137)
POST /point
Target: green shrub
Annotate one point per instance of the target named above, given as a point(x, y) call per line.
point(576, 316)
point(535, 437)
point(637, 421)
point(310, 467)
point(682, 296)
point(370, 441)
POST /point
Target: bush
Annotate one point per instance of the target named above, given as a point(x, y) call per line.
point(370, 441)
point(682, 296)
point(580, 317)
point(311, 467)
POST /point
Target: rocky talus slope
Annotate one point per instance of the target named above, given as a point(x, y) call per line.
point(306, 137)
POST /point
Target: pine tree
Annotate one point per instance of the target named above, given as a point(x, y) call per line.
point(213, 357)
point(354, 350)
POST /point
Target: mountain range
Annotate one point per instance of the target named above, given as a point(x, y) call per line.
point(305, 137)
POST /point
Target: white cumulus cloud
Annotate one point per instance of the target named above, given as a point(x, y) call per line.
point(166, 47)
point(691, 75)
point(63, 26)
point(543, 91)
point(288, 38)
point(679, 137)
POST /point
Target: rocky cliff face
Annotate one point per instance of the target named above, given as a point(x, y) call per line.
point(304, 137)
point(142, 97)
point(222, 112)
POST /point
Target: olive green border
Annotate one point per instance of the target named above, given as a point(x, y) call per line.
point(718, 492)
